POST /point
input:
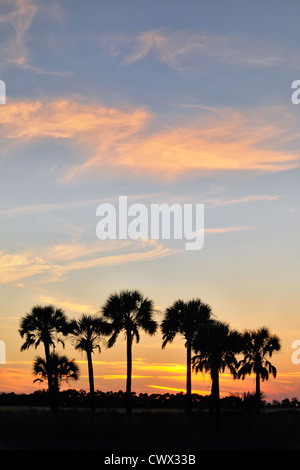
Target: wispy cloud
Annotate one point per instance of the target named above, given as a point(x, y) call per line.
point(166, 389)
point(193, 52)
point(17, 266)
point(34, 209)
point(123, 140)
point(242, 200)
point(68, 304)
point(56, 262)
point(212, 231)
point(69, 119)
point(17, 23)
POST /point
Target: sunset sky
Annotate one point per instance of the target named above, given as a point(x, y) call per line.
point(163, 101)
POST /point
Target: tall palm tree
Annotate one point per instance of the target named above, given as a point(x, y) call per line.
point(88, 332)
point(258, 346)
point(62, 370)
point(216, 347)
point(129, 311)
point(46, 325)
point(185, 319)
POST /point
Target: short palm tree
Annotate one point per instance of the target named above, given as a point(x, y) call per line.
point(130, 312)
point(88, 331)
point(258, 346)
point(185, 319)
point(46, 325)
point(62, 370)
point(216, 347)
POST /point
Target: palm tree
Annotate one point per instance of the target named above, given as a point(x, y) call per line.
point(62, 370)
point(88, 332)
point(216, 347)
point(258, 346)
point(129, 311)
point(46, 325)
point(185, 319)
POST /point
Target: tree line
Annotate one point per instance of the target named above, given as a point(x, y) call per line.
point(80, 399)
point(211, 345)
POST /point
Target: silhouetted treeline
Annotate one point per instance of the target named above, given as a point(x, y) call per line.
point(116, 400)
point(215, 344)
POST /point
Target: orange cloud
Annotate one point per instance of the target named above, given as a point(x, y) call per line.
point(67, 304)
point(211, 231)
point(57, 261)
point(109, 138)
point(69, 119)
point(19, 266)
point(223, 141)
point(173, 389)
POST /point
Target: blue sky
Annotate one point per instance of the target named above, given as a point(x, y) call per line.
point(160, 101)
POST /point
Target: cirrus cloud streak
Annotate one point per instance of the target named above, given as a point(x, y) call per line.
point(115, 140)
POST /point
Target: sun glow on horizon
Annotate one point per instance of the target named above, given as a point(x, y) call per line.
point(17, 376)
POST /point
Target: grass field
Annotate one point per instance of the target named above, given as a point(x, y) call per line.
point(24, 429)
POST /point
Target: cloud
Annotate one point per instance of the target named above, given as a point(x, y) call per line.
point(252, 198)
point(194, 52)
point(17, 22)
point(219, 140)
point(183, 150)
point(56, 262)
point(34, 209)
point(17, 266)
point(69, 119)
point(212, 231)
point(146, 250)
point(108, 139)
point(66, 304)
point(92, 128)
point(44, 208)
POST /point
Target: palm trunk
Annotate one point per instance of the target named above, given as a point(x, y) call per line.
point(188, 378)
point(91, 381)
point(55, 386)
point(129, 372)
point(215, 395)
point(51, 390)
point(257, 391)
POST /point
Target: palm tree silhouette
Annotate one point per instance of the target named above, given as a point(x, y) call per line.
point(88, 332)
point(62, 370)
point(216, 347)
point(257, 346)
point(185, 318)
point(46, 325)
point(129, 311)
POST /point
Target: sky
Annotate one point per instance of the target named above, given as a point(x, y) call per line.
point(163, 101)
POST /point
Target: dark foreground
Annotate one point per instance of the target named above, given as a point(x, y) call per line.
point(38, 429)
